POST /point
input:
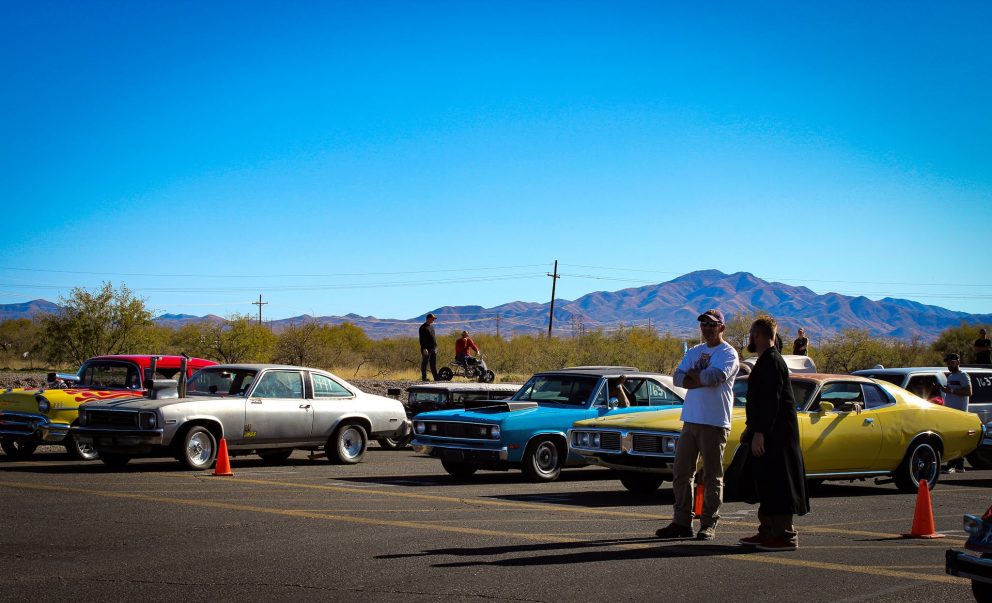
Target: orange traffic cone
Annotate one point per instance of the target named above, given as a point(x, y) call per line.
point(223, 466)
point(697, 505)
point(923, 516)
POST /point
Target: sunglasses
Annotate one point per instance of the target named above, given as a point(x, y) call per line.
point(710, 323)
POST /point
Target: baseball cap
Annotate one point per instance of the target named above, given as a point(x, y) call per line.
point(951, 356)
point(430, 315)
point(711, 315)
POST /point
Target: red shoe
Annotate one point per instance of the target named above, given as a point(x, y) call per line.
point(777, 544)
point(751, 540)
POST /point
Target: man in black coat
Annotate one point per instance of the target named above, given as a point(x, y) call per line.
point(774, 465)
point(428, 347)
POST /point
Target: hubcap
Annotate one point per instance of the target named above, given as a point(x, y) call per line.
point(547, 457)
point(924, 464)
point(200, 449)
point(351, 441)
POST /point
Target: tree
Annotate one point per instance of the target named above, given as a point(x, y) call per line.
point(91, 324)
point(19, 341)
point(239, 339)
point(959, 340)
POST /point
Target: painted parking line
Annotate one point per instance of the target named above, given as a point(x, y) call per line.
point(433, 526)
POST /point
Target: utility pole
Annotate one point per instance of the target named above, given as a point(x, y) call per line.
point(259, 303)
point(497, 325)
point(554, 280)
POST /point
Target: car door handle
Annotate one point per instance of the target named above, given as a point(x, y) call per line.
point(869, 421)
point(256, 401)
point(304, 406)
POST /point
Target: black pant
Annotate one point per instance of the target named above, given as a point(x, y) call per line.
point(430, 356)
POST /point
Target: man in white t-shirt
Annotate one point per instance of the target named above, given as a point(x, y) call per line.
point(708, 372)
point(957, 394)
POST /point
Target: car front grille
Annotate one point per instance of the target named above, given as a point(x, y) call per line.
point(104, 418)
point(648, 444)
point(442, 429)
point(609, 440)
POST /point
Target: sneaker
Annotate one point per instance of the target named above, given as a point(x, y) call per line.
point(674, 530)
point(777, 544)
point(751, 540)
point(707, 533)
point(948, 470)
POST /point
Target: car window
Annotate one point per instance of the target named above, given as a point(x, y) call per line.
point(601, 397)
point(659, 395)
point(841, 395)
point(325, 387)
point(557, 389)
point(279, 384)
point(427, 397)
point(740, 393)
point(981, 387)
point(220, 382)
point(874, 397)
point(801, 391)
point(924, 386)
point(110, 375)
point(891, 378)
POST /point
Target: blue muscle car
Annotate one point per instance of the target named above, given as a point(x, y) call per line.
point(528, 430)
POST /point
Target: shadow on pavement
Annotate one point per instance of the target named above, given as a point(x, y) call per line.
point(560, 555)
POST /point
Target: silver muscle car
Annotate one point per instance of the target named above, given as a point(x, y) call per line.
point(263, 409)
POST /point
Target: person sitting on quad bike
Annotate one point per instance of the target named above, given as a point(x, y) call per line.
point(463, 349)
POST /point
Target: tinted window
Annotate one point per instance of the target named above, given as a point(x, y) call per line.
point(893, 379)
point(924, 386)
point(981, 387)
point(220, 382)
point(874, 396)
point(555, 389)
point(801, 391)
point(325, 387)
point(279, 384)
point(110, 375)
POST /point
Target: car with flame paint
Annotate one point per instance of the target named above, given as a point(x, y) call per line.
point(527, 431)
point(264, 409)
point(850, 428)
point(30, 417)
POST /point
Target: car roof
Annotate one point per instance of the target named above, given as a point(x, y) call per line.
point(145, 359)
point(465, 387)
point(903, 370)
point(260, 367)
point(821, 377)
point(596, 371)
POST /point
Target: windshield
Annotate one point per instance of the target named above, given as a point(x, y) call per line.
point(220, 382)
point(893, 379)
point(557, 389)
point(801, 391)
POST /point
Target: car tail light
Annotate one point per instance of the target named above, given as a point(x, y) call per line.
point(988, 515)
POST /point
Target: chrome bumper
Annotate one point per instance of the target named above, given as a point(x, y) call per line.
point(964, 565)
point(31, 427)
point(118, 438)
point(436, 449)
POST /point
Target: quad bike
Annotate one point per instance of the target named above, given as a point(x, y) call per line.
point(472, 368)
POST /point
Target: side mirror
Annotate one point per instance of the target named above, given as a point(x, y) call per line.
point(613, 403)
point(826, 406)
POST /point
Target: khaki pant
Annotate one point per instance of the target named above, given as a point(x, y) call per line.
point(777, 527)
point(695, 441)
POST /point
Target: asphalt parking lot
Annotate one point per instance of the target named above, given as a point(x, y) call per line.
point(397, 528)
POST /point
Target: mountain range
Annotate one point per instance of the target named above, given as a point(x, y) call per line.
point(670, 307)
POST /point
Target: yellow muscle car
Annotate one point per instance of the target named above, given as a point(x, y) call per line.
point(850, 427)
point(30, 417)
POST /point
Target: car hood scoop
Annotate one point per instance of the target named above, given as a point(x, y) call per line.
point(498, 405)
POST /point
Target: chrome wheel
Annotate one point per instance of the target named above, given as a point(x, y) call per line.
point(347, 445)
point(542, 461)
point(80, 452)
point(199, 449)
point(922, 463)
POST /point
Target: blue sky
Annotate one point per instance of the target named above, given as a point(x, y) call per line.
point(390, 158)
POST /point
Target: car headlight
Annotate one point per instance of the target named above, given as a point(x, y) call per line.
point(148, 420)
point(594, 440)
point(84, 418)
point(418, 426)
point(495, 432)
point(670, 444)
point(583, 438)
point(43, 404)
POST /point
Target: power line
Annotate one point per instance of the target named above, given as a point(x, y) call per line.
point(330, 274)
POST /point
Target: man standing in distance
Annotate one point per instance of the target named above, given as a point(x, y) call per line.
point(983, 348)
point(708, 372)
point(957, 394)
point(775, 463)
point(800, 347)
point(428, 347)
